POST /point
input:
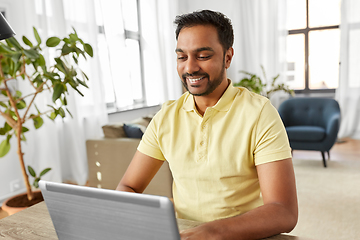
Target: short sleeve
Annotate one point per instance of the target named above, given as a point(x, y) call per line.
point(149, 144)
point(272, 142)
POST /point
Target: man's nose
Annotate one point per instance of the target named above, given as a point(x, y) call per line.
point(191, 65)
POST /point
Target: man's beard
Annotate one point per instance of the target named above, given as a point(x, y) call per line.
point(211, 85)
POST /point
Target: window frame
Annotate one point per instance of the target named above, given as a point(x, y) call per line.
point(305, 31)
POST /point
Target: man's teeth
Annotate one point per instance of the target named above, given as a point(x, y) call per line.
point(194, 80)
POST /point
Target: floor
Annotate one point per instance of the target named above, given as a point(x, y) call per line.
point(347, 149)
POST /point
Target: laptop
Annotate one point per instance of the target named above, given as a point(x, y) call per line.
point(80, 212)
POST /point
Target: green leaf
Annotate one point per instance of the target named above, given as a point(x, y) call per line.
point(61, 112)
point(75, 59)
point(85, 75)
point(82, 83)
point(36, 182)
point(38, 122)
point(44, 172)
point(27, 41)
point(7, 127)
point(64, 101)
point(88, 49)
point(59, 89)
point(41, 60)
point(53, 42)
point(69, 113)
point(31, 171)
point(66, 50)
point(2, 131)
point(18, 93)
point(37, 109)
point(37, 37)
point(7, 49)
point(24, 129)
point(32, 54)
point(4, 147)
point(53, 115)
point(21, 104)
point(15, 43)
point(16, 56)
point(3, 105)
point(3, 92)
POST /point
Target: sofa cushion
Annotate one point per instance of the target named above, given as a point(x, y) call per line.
point(114, 130)
point(306, 133)
point(133, 130)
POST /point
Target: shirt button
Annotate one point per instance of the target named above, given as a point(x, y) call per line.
point(202, 143)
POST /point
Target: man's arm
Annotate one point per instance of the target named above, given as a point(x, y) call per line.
point(278, 214)
point(140, 172)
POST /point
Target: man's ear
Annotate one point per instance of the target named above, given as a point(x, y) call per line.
point(228, 57)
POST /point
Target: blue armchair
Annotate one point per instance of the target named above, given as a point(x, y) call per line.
point(311, 123)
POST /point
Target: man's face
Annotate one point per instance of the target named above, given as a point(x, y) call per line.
point(201, 61)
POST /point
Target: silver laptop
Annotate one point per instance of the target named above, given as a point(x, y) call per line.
point(79, 212)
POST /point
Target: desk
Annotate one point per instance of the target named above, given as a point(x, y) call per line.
point(35, 223)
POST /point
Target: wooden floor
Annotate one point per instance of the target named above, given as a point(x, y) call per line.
point(348, 149)
point(344, 150)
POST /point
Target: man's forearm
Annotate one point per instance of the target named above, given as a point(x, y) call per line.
point(124, 188)
point(261, 222)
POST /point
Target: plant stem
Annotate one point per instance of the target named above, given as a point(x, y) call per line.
point(18, 128)
point(29, 192)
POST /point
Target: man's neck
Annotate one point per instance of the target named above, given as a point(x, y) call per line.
point(203, 102)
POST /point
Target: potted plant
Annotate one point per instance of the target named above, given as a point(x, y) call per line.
point(26, 63)
point(255, 84)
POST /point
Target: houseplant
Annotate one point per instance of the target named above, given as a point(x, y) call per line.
point(26, 63)
point(255, 84)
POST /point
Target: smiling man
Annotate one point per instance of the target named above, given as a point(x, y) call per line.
point(226, 147)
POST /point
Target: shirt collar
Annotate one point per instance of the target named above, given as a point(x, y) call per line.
point(223, 104)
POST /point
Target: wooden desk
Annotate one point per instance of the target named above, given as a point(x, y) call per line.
point(35, 223)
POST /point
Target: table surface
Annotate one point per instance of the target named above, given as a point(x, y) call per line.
point(35, 223)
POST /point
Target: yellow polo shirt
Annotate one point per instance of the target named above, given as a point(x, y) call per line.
point(213, 157)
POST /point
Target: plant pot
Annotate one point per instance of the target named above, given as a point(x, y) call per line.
point(20, 202)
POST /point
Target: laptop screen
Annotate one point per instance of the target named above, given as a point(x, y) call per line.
point(80, 212)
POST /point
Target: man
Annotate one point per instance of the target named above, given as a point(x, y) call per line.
point(223, 144)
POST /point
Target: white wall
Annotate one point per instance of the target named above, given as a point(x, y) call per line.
point(129, 115)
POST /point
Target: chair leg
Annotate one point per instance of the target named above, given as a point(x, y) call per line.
point(324, 160)
point(328, 155)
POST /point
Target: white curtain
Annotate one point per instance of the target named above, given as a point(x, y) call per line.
point(158, 44)
point(348, 92)
point(61, 144)
point(261, 39)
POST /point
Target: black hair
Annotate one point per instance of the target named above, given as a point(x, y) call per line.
point(207, 17)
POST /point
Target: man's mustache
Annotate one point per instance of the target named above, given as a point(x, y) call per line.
point(195, 74)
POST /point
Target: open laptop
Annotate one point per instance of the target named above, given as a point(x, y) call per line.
point(80, 212)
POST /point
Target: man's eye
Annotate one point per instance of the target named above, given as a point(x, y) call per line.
point(204, 57)
point(181, 57)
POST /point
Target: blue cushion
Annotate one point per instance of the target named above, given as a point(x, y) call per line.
point(133, 131)
point(305, 133)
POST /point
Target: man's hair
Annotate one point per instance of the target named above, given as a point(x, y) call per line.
point(208, 17)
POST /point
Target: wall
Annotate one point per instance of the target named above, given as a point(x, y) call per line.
point(129, 115)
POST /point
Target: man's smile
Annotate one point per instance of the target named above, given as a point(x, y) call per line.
point(195, 80)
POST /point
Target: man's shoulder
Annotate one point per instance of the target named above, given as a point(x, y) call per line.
point(175, 104)
point(250, 99)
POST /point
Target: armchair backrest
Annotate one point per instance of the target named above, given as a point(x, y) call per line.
point(308, 111)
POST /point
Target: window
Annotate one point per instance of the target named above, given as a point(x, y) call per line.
point(313, 45)
point(120, 53)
